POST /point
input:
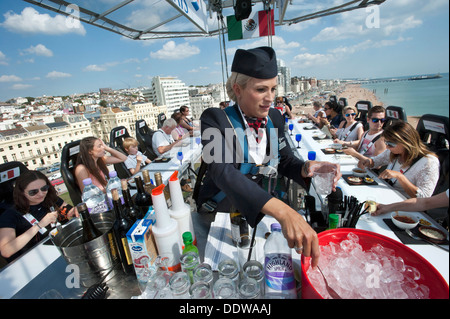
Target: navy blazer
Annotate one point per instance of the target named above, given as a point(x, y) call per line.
point(242, 191)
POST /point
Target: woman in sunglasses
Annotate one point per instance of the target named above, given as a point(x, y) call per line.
point(371, 143)
point(26, 224)
point(349, 131)
point(412, 169)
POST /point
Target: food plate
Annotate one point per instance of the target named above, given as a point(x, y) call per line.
point(329, 150)
point(162, 160)
point(432, 234)
point(354, 180)
point(311, 127)
point(362, 182)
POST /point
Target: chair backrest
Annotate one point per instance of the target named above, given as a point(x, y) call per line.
point(69, 155)
point(363, 108)
point(434, 131)
point(8, 174)
point(144, 136)
point(394, 114)
point(343, 102)
point(116, 137)
point(161, 118)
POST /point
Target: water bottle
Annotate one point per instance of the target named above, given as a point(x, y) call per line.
point(278, 266)
point(93, 197)
point(114, 182)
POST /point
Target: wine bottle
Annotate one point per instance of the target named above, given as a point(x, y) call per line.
point(148, 186)
point(120, 228)
point(159, 181)
point(90, 231)
point(239, 225)
point(143, 199)
point(129, 208)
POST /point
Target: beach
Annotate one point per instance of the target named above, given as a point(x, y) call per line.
point(353, 93)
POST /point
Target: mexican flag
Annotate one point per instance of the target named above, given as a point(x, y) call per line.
point(256, 25)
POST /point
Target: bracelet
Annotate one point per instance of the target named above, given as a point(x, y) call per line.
point(37, 224)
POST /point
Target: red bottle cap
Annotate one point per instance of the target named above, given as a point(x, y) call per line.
point(158, 190)
point(174, 176)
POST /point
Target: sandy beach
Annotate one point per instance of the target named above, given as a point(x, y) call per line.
point(354, 93)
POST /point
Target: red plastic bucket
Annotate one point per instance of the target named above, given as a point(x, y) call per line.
point(429, 275)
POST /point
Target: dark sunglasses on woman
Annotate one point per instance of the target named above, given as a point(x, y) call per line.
point(34, 192)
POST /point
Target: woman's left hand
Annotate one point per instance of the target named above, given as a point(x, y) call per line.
point(388, 174)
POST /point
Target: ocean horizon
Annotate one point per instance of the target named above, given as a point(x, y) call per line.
point(418, 97)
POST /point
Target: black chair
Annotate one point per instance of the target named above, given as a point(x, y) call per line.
point(116, 137)
point(144, 136)
point(161, 118)
point(69, 155)
point(394, 114)
point(363, 108)
point(434, 132)
point(343, 102)
point(8, 174)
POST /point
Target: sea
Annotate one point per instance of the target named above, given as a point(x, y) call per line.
point(430, 96)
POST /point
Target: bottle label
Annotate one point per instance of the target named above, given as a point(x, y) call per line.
point(279, 272)
point(99, 208)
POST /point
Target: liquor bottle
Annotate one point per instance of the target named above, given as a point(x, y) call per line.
point(189, 243)
point(148, 185)
point(120, 228)
point(130, 209)
point(143, 199)
point(90, 231)
point(278, 267)
point(159, 181)
point(239, 225)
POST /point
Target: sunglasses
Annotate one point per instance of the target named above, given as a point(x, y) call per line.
point(348, 114)
point(390, 144)
point(34, 192)
point(378, 120)
point(327, 108)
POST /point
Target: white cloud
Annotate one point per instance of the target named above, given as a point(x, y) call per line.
point(307, 60)
point(39, 49)
point(31, 21)
point(173, 51)
point(58, 75)
point(94, 68)
point(3, 60)
point(10, 78)
point(20, 86)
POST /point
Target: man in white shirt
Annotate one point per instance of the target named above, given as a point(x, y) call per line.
point(162, 140)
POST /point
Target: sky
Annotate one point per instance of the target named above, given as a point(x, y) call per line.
point(42, 53)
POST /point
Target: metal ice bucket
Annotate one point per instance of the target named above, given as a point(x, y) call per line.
point(94, 258)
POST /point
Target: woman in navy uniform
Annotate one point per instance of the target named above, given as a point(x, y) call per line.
point(232, 173)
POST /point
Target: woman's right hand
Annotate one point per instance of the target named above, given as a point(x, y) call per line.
point(48, 219)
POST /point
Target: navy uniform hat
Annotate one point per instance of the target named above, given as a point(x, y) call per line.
point(260, 63)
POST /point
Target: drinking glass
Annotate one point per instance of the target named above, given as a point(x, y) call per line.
point(254, 269)
point(180, 157)
point(312, 155)
point(291, 127)
point(200, 290)
point(323, 180)
point(203, 272)
point(371, 205)
point(298, 138)
point(224, 288)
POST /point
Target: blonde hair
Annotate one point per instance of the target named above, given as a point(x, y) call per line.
point(403, 133)
point(238, 78)
point(349, 107)
point(128, 142)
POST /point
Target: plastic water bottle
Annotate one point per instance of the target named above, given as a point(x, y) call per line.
point(93, 197)
point(278, 266)
point(114, 182)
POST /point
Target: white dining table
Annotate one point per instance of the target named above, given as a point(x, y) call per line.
point(382, 193)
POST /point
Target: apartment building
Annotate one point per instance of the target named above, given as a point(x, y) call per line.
point(168, 91)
